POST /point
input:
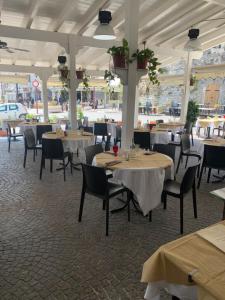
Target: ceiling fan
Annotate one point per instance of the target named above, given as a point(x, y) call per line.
point(4, 46)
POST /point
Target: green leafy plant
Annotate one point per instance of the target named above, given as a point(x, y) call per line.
point(108, 76)
point(80, 114)
point(192, 112)
point(147, 56)
point(86, 80)
point(121, 50)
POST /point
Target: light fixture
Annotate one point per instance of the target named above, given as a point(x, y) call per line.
point(193, 44)
point(104, 31)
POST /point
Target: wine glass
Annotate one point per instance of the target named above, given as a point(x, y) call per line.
point(115, 149)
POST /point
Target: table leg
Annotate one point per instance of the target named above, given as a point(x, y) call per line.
point(135, 204)
point(175, 298)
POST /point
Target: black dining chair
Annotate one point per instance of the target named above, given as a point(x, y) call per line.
point(186, 150)
point(52, 149)
point(100, 129)
point(95, 182)
point(41, 129)
point(142, 138)
point(166, 149)
point(11, 134)
point(91, 151)
point(30, 144)
point(213, 158)
point(88, 129)
point(179, 190)
point(188, 128)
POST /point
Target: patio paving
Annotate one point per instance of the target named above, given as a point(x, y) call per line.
point(47, 254)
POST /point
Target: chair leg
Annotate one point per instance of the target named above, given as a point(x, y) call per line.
point(186, 162)
point(128, 205)
point(9, 143)
point(194, 200)
point(64, 170)
point(103, 205)
point(25, 158)
point(200, 177)
point(150, 216)
point(42, 164)
point(107, 216)
point(81, 204)
point(181, 214)
point(51, 165)
point(71, 162)
point(223, 218)
point(164, 200)
point(178, 165)
point(34, 155)
point(209, 173)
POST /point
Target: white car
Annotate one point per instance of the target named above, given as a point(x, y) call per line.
point(12, 111)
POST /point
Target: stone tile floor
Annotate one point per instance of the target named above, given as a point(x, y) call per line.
point(47, 254)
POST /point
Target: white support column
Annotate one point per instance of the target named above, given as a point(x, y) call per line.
point(184, 105)
point(73, 83)
point(129, 95)
point(44, 76)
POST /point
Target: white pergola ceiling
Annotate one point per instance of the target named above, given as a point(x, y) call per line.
point(164, 24)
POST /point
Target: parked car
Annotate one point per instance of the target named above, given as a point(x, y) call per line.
point(12, 111)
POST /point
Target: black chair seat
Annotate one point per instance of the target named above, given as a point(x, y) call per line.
point(16, 134)
point(172, 187)
point(192, 153)
point(115, 189)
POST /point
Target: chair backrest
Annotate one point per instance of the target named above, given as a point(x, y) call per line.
point(52, 148)
point(79, 123)
point(185, 142)
point(85, 121)
point(142, 139)
point(166, 149)
point(95, 180)
point(29, 138)
point(9, 130)
point(188, 179)
point(188, 127)
point(159, 122)
point(42, 129)
point(88, 129)
point(91, 151)
point(118, 132)
point(100, 129)
point(214, 157)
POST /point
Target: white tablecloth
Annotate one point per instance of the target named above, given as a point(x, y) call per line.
point(23, 127)
point(74, 145)
point(183, 292)
point(146, 184)
point(159, 137)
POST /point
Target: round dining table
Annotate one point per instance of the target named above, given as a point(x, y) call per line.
point(144, 174)
point(73, 141)
point(33, 125)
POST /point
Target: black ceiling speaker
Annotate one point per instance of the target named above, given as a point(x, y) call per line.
point(62, 59)
point(104, 16)
point(193, 33)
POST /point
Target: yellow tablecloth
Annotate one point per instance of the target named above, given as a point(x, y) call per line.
point(191, 254)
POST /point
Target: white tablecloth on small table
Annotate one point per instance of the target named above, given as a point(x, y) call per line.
point(74, 141)
point(23, 127)
point(143, 175)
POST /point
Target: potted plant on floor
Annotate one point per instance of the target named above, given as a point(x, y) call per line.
point(120, 55)
point(192, 112)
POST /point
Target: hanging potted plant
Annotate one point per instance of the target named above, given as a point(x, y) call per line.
point(63, 71)
point(120, 55)
point(146, 60)
point(192, 80)
point(85, 80)
point(80, 74)
point(108, 76)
